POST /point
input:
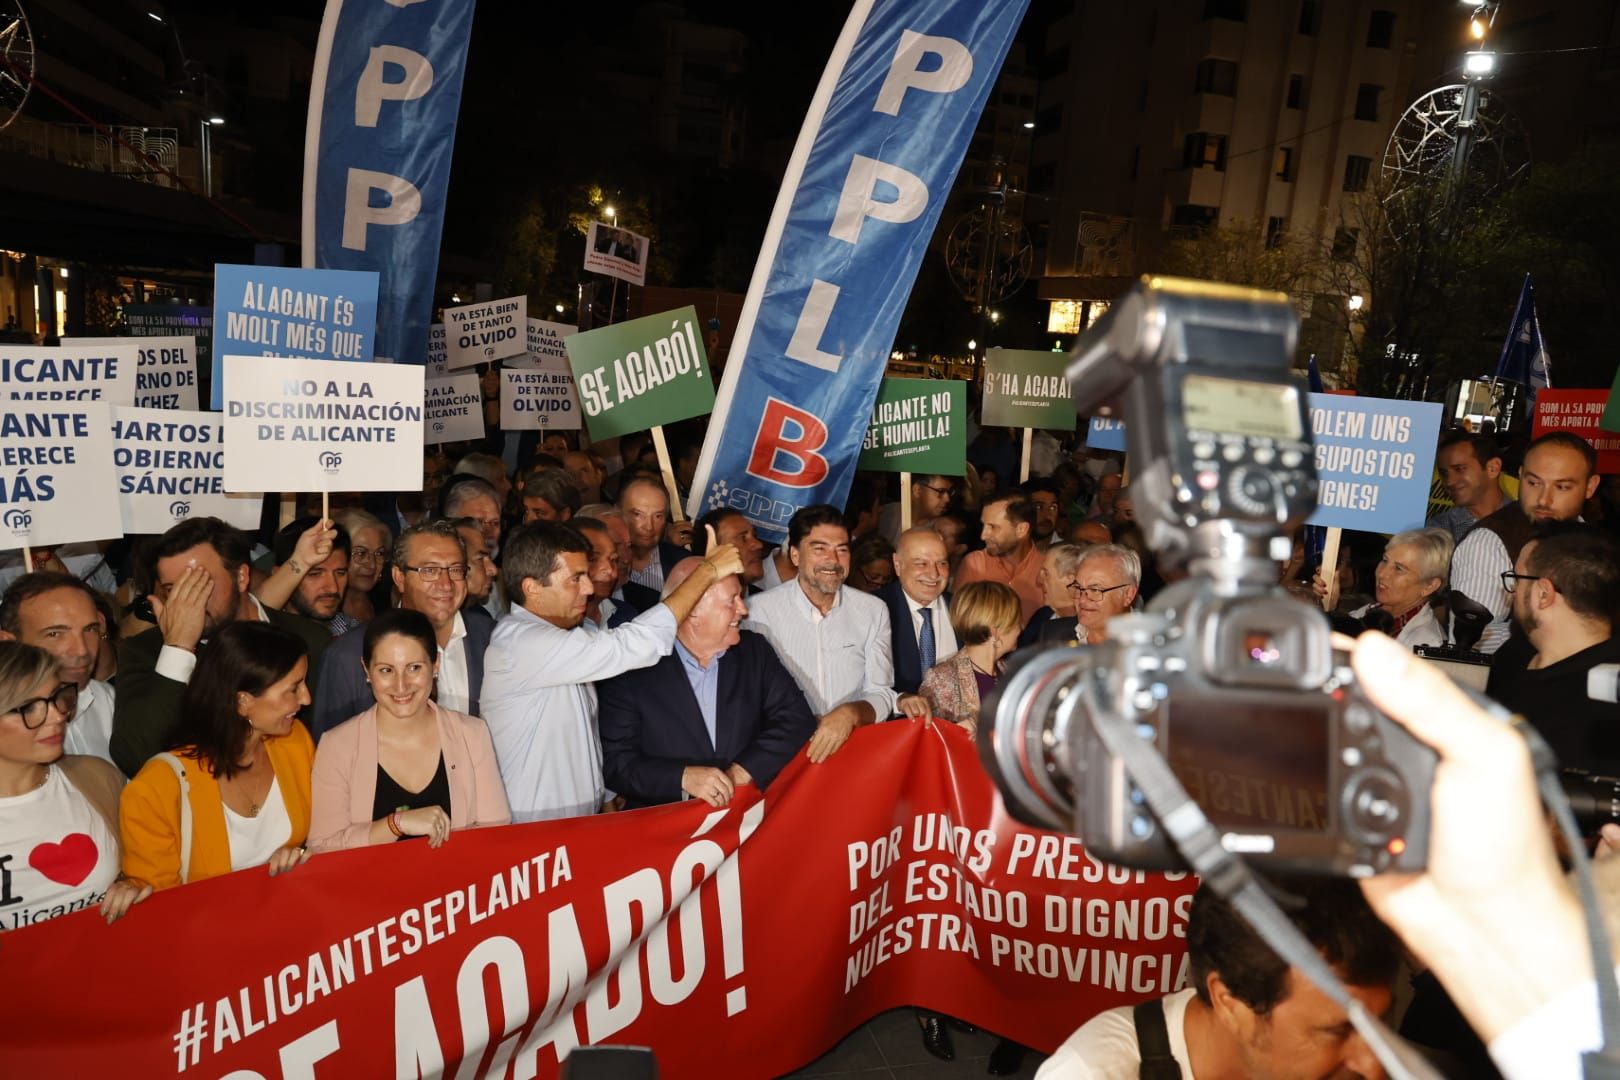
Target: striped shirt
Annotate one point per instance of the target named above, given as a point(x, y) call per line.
point(1476, 572)
point(843, 656)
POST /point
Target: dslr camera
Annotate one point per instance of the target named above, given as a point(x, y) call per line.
point(1236, 685)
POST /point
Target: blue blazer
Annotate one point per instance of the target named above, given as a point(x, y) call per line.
point(640, 596)
point(342, 690)
point(908, 669)
point(652, 728)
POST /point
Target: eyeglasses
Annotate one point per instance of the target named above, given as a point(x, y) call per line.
point(942, 492)
point(457, 572)
point(64, 699)
point(1092, 592)
point(1509, 578)
point(361, 554)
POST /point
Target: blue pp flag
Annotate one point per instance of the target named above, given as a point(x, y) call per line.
point(881, 144)
point(1524, 356)
point(1315, 375)
point(383, 101)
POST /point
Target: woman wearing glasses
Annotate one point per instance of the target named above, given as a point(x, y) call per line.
point(404, 767)
point(1415, 568)
point(369, 544)
point(232, 791)
point(58, 814)
point(986, 618)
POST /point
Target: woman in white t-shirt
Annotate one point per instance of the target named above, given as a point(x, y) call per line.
point(58, 814)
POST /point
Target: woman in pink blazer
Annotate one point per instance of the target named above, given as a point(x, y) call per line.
point(404, 767)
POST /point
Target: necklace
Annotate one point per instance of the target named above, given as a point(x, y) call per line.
point(975, 664)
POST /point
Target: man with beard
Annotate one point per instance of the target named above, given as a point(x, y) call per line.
point(57, 612)
point(1042, 494)
point(1558, 475)
point(197, 574)
point(834, 639)
point(1009, 556)
point(1566, 590)
point(311, 574)
point(919, 607)
point(1471, 466)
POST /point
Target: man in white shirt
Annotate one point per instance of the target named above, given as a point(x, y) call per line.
point(834, 639)
point(538, 695)
point(1248, 1013)
point(57, 612)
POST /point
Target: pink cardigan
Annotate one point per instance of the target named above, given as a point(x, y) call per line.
point(344, 783)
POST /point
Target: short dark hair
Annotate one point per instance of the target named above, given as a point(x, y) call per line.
point(241, 657)
point(462, 487)
point(1583, 563)
point(287, 539)
point(229, 543)
point(1569, 441)
point(700, 527)
point(401, 554)
point(1331, 914)
point(1020, 511)
point(808, 518)
point(1484, 446)
point(411, 624)
point(25, 588)
point(1039, 483)
point(556, 487)
point(870, 548)
point(540, 460)
point(533, 550)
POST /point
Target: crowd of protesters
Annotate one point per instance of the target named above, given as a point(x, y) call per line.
point(543, 641)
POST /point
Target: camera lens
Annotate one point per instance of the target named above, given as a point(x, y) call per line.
point(1024, 735)
point(1594, 800)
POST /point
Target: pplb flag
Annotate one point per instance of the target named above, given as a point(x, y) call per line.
point(1524, 354)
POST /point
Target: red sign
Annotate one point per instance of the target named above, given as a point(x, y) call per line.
point(742, 942)
point(1578, 412)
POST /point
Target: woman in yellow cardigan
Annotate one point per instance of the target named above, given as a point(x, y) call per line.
point(233, 791)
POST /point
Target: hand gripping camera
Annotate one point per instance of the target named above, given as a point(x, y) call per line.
point(1232, 682)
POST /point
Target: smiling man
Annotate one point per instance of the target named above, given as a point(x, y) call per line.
point(57, 612)
point(919, 607)
point(1470, 465)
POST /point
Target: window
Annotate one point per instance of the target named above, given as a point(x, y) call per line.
point(1276, 228)
point(1310, 18)
point(1236, 10)
point(1356, 171)
point(1136, 162)
point(1215, 77)
point(1381, 30)
point(1296, 91)
point(1367, 101)
point(1204, 151)
point(1193, 216)
point(1344, 244)
point(1283, 166)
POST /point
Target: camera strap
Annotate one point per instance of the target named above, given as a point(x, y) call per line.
point(1231, 879)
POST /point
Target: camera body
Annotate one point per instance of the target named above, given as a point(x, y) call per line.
point(1234, 683)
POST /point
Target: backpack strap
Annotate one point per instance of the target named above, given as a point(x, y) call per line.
point(1153, 1040)
point(185, 814)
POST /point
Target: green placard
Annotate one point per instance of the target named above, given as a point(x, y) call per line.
point(634, 375)
point(918, 426)
point(1610, 420)
point(1024, 388)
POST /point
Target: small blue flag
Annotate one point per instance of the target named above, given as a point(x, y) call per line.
point(1315, 375)
point(1524, 354)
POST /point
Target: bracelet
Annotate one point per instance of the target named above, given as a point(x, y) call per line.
point(393, 823)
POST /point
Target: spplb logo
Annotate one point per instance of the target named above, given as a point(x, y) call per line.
point(180, 510)
point(18, 521)
point(330, 461)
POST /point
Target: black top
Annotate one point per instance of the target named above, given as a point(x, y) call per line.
point(1585, 734)
point(390, 796)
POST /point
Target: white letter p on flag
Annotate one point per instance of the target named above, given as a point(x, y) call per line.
point(955, 67)
point(404, 203)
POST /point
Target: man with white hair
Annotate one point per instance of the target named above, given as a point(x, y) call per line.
point(1105, 584)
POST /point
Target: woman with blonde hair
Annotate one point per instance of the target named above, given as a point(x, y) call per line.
point(985, 616)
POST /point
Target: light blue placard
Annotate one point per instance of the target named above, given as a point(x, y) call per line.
point(1374, 461)
point(1106, 434)
point(280, 311)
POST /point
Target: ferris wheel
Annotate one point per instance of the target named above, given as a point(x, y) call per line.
point(1460, 135)
point(16, 60)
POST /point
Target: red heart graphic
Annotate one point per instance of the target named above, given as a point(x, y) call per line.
point(68, 862)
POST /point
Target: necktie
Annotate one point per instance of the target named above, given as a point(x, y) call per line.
point(925, 638)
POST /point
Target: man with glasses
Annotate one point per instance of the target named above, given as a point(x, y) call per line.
point(930, 497)
point(1565, 590)
point(57, 612)
point(430, 566)
point(1105, 584)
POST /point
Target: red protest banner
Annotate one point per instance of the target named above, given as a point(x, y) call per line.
point(1578, 412)
point(744, 941)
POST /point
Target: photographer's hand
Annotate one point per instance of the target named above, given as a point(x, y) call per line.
point(1492, 915)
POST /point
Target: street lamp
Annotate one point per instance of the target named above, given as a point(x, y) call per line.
point(610, 213)
point(560, 309)
point(1357, 301)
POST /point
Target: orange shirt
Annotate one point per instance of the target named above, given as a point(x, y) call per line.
point(982, 566)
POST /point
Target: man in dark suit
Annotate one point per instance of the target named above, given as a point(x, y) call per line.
point(430, 572)
point(919, 607)
point(198, 574)
point(644, 503)
point(720, 711)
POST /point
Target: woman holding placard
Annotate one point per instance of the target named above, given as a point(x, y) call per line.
point(1415, 568)
point(404, 767)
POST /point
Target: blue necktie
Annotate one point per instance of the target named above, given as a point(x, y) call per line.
point(925, 639)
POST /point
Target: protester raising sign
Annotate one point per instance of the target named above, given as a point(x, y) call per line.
point(171, 466)
point(740, 942)
point(322, 425)
point(1105, 433)
point(277, 311)
point(918, 426)
point(486, 331)
point(638, 374)
point(104, 373)
point(455, 408)
point(166, 374)
point(1373, 461)
point(617, 253)
point(56, 474)
point(539, 398)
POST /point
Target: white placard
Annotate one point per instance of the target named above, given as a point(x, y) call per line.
point(436, 364)
point(166, 374)
point(540, 398)
point(545, 343)
point(104, 373)
point(56, 474)
point(455, 408)
point(171, 466)
point(617, 252)
point(479, 333)
point(322, 425)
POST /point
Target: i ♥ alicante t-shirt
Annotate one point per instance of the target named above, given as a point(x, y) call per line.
point(57, 854)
